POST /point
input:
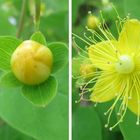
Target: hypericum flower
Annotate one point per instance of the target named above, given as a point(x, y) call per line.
point(118, 68)
point(118, 62)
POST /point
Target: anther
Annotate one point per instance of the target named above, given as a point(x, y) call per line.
point(119, 114)
point(86, 27)
point(110, 128)
point(89, 12)
point(95, 104)
point(105, 113)
point(121, 98)
point(89, 90)
point(129, 97)
point(137, 123)
point(86, 47)
point(106, 125)
point(76, 101)
point(100, 11)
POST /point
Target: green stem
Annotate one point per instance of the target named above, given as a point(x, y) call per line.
point(21, 21)
point(37, 14)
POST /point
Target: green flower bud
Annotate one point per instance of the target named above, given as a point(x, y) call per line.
point(92, 21)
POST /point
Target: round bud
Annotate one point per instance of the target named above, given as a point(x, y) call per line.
point(105, 2)
point(92, 22)
point(31, 62)
point(87, 70)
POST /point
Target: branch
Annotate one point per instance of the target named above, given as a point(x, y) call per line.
point(21, 21)
point(37, 14)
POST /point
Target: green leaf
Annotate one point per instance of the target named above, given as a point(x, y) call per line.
point(52, 26)
point(60, 55)
point(56, 6)
point(132, 10)
point(7, 47)
point(115, 134)
point(101, 109)
point(86, 124)
point(128, 127)
point(49, 123)
point(41, 95)
point(39, 37)
point(9, 80)
point(8, 133)
point(64, 89)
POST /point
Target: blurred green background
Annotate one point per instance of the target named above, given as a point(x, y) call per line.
point(53, 22)
point(89, 121)
point(20, 120)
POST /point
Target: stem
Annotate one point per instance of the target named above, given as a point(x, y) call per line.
point(21, 21)
point(37, 14)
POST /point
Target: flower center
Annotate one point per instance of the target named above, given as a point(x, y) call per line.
point(125, 64)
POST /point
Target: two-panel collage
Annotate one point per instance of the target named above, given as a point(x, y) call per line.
point(69, 70)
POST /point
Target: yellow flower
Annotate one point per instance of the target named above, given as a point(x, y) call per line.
point(119, 75)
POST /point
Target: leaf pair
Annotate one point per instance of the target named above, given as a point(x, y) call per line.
point(42, 94)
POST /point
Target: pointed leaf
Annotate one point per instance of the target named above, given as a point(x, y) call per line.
point(60, 55)
point(8, 133)
point(9, 80)
point(86, 124)
point(7, 46)
point(64, 89)
point(42, 94)
point(50, 122)
point(55, 25)
point(130, 130)
point(133, 10)
point(39, 37)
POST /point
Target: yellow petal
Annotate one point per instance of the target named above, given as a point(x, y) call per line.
point(106, 87)
point(134, 102)
point(103, 54)
point(129, 38)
